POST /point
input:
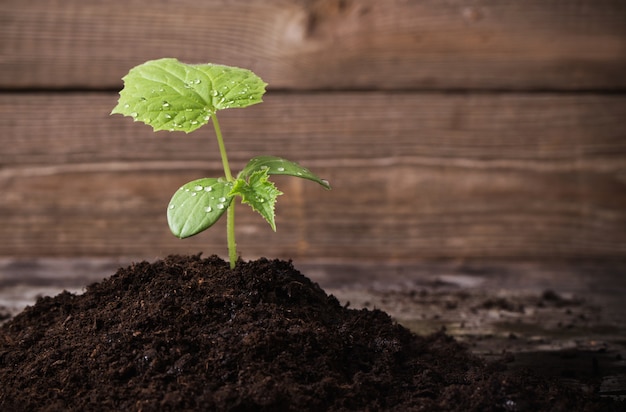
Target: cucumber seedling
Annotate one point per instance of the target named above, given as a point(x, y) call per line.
point(169, 95)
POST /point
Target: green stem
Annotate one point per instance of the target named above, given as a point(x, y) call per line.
point(220, 142)
point(230, 234)
point(230, 213)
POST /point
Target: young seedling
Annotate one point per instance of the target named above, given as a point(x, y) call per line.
point(169, 95)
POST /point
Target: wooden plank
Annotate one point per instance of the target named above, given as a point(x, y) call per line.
point(429, 175)
point(323, 44)
point(523, 130)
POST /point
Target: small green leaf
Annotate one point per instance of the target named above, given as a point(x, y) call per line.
point(259, 193)
point(197, 205)
point(169, 95)
point(278, 166)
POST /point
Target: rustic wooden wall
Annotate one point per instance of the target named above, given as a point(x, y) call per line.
point(461, 129)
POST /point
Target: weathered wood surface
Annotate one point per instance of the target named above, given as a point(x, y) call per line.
point(425, 176)
point(322, 44)
point(449, 129)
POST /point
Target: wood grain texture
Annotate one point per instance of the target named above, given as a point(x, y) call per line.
point(322, 44)
point(424, 175)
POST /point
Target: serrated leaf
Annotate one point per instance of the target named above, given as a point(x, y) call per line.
point(279, 166)
point(197, 205)
point(169, 95)
point(259, 193)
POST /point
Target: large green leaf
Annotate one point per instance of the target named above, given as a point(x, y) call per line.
point(197, 205)
point(279, 166)
point(169, 95)
point(259, 193)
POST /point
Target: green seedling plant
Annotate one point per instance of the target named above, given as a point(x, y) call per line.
point(170, 95)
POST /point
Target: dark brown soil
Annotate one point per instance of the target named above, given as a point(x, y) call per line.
point(187, 333)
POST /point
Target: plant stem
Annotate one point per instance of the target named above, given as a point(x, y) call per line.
point(230, 213)
point(230, 234)
point(220, 142)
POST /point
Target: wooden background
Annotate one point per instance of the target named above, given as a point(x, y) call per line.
point(449, 129)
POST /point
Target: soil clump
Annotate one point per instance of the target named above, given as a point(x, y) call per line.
point(187, 333)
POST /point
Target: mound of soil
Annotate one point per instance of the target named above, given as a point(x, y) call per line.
point(187, 333)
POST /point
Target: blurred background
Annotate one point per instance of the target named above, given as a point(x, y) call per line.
point(456, 130)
